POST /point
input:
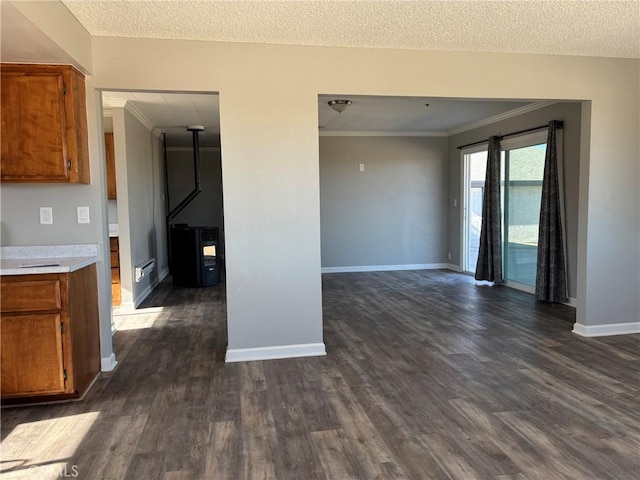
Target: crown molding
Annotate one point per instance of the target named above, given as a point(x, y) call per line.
point(111, 103)
point(133, 110)
point(114, 102)
point(502, 116)
point(334, 133)
point(157, 132)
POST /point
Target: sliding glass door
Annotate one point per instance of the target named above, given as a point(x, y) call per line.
point(475, 168)
point(522, 170)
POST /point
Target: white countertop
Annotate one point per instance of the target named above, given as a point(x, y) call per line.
point(25, 260)
point(44, 265)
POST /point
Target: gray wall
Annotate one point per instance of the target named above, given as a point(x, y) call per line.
point(206, 209)
point(392, 213)
point(139, 179)
point(112, 211)
point(570, 113)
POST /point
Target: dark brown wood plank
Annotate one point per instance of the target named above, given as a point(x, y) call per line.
point(428, 376)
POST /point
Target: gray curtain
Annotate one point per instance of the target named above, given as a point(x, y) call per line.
point(489, 265)
point(551, 275)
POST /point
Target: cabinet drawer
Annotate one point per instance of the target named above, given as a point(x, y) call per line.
point(113, 244)
point(30, 296)
point(115, 261)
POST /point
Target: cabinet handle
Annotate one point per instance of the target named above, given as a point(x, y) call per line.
point(69, 164)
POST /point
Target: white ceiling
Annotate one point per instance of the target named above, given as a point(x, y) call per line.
point(171, 113)
point(408, 114)
point(606, 28)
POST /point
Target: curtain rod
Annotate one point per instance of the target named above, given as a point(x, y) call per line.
point(559, 124)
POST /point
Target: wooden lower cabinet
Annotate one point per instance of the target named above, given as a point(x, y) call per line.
point(32, 360)
point(116, 291)
point(50, 342)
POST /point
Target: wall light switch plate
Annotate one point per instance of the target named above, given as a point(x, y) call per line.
point(46, 216)
point(83, 215)
point(361, 167)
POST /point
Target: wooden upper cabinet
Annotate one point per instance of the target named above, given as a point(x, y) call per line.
point(111, 166)
point(44, 124)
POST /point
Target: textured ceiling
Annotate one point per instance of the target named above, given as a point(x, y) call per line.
point(566, 27)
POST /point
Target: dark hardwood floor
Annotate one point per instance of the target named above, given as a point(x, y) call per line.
point(427, 376)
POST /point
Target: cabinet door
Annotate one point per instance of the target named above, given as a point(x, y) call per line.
point(111, 166)
point(31, 355)
point(34, 131)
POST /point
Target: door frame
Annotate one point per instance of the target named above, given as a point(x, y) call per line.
point(519, 141)
point(464, 203)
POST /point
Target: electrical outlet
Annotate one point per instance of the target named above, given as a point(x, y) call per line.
point(449, 256)
point(361, 167)
point(83, 215)
point(46, 216)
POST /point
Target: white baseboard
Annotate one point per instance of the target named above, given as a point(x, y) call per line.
point(605, 330)
point(384, 268)
point(147, 291)
point(455, 268)
point(163, 274)
point(124, 307)
point(107, 364)
point(272, 353)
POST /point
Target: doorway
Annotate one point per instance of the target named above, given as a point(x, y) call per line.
point(154, 166)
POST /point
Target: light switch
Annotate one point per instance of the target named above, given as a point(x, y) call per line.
point(361, 167)
point(83, 215)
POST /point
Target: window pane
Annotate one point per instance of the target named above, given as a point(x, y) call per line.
point(477, 173)
point(526, 168)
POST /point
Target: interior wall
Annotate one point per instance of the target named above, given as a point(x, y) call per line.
point(55, 20)
point(393, 212)
point(112, 211)
point(206, 209)
point(570, 113)
point(270, 156)
point(21, 204)
point(140, 208)
point(159, 211)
